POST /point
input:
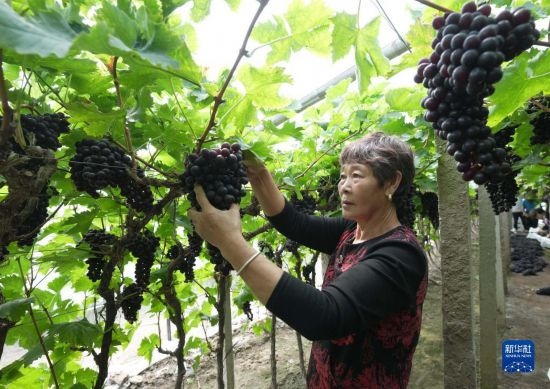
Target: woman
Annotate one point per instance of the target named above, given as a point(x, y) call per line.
point(366, 320)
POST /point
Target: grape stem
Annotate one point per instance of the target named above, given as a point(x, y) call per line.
point(434, 6)
point(218, 100)
point(112, 69)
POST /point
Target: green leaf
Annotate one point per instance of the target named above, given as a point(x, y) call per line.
point(368, 55)
point(233, 4)
point(262, 85)
point(77, 333)
point(344, 34)
point(148, 345)
point(201, 9)
point(309, 24)
point(527, 75)
point(14, 309)
point(405, 99)
point(47, 33)
point(121, 25)
point(274, 32)
point(288, 129)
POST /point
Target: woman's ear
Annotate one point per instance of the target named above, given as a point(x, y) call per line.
point(394, 184)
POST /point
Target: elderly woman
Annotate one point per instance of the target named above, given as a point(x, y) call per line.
point(365, 322)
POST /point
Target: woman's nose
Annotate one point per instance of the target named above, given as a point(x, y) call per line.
point(344, 185)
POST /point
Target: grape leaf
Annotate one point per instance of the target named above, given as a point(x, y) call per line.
point(77, 333)
point(527, 76)
point(47, 33)
point(405, 99)
point(14, 309)
point(368, 55)
point(344, 34)
point(148, 345)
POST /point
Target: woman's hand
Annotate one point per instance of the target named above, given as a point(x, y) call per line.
point(218, 227)
point(254, 167)
point(265, 189)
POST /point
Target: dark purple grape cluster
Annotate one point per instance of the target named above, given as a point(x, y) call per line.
point(468, 50)
point(130, 302)
point(44, 130)
point(329, 199)
point(99, 164)
point(527, 255)
point(215, 257)
point(307, 204)
point(266, 250)
point(247, 309)
point(34, 215)
point(503, 194)
point(143, 246)
point(539, 110)
point(100, 243)
point(195, 243)
point(187, 261)
point(429, 207)
point(292, 247)
point(138, 196)
point(220, 172)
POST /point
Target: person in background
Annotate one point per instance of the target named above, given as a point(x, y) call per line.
point(365, 322)
point(517, 214)
point(528, 207)
point(542, 222)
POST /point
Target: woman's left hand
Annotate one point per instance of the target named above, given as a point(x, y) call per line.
point(220, 228)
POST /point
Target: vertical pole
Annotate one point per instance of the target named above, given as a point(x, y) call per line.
point(499, 276)
point(228, 340)
point(505, 252)
point(487, 293)
point(456, 275)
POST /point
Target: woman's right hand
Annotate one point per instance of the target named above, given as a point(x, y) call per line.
point(254, 167)
point(265, 189)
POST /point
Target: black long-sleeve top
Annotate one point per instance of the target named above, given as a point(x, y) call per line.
point(371, 290)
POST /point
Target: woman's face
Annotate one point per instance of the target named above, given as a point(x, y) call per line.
point(360, 193)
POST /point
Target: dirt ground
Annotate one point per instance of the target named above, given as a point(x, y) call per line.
point(528, 317)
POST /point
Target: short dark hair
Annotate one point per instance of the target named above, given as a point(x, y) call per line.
point(385, 155)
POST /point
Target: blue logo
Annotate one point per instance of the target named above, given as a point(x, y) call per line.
point(518, 356)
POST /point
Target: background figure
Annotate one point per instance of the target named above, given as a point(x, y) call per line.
point(529, 220)
point(517, 213)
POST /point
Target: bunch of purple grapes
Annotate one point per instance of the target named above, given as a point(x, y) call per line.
point(503, 193)
point(99, 164)
point(220, 172)
point(100, 243)
point(143, 246)
point(429, 207)
point(130, 301)
point(469, 48)
point(539, 110)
